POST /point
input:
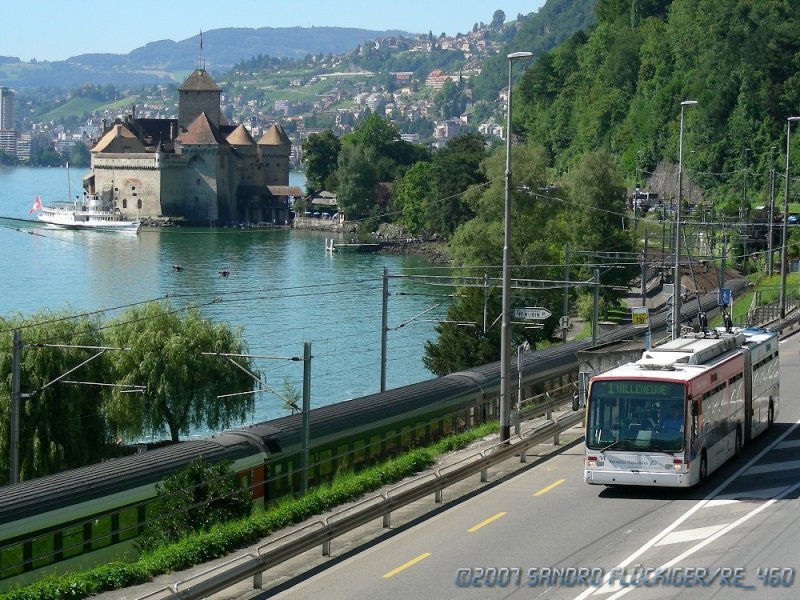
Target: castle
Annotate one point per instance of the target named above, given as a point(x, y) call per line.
point(194, 168)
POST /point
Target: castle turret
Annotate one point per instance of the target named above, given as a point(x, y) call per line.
point(275, 148)
point(198, 94)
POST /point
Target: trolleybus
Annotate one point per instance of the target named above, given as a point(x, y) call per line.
point(682, 410)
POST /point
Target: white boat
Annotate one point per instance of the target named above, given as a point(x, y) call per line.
point(89, 213)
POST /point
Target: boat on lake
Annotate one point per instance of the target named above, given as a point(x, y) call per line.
point(88, 213)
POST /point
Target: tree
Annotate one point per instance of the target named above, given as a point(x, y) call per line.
point(320, 156)
point(457, 166)
point(62, 426)
point(477, 246)
point(357, 177)
point(449, 101)
point(462, 342)
point(412, 194)
point(195, 499)
point(183, 387)
point(595, 188)
point(80, 155)
point(498, 19)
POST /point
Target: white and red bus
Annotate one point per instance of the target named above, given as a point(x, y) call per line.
point(682, 410)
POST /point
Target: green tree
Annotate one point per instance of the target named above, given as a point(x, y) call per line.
point(320, 156)
point(80, 155)
point(357, 177)
point(412, 194)
point(462, 343)
point(598, 204)
point(456, 167)
point(477, 246)
point(498, 19)
point(62, 426)
point(183, 387)
point(449, 102)
point(195, 499)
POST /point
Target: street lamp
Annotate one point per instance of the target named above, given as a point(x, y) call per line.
point(676, 277)
point(505, 328)
point(770, 253)
point(785, 217)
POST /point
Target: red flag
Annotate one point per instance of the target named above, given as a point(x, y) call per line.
point(37, 205)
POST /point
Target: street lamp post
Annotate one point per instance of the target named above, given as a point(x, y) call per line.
point(676, 278)
point(785, 217)
point(770, 253)
point(505, 328)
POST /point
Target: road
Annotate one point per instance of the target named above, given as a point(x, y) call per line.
point(737, 536)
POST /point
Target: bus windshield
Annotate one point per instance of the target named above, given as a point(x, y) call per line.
point(645, 416)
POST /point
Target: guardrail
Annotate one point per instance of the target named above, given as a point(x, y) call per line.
point(323, 531)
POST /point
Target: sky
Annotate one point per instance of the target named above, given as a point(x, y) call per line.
point(58, 29)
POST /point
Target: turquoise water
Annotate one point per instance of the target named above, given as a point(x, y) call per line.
point(283, 289)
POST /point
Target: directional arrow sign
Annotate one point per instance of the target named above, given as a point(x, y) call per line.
point(536, 313)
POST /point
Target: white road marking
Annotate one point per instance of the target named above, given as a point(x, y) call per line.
point(690, 535)
point(714, 537)
point(722, 500)
point(764, 494)
point(674, 525)
point(772, 467)
point(788, 444)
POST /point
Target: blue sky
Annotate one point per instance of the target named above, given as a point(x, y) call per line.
point(58, 29)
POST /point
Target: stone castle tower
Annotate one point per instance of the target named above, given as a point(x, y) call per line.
point(196, 168)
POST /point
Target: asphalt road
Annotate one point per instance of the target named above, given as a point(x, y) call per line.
point(737, 536)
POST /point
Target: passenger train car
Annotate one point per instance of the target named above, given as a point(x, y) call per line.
point(81, 517)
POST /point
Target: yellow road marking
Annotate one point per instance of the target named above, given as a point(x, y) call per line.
point(475, 528)
point(404, 566)
point(544, 490)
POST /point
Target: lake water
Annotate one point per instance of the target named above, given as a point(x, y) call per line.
point(283, 289)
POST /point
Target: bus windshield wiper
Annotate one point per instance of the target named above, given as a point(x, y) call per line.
point(611, 445)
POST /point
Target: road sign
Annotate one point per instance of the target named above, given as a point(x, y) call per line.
point(640, 316)
point(536, 313)
point(564, 322)
point(724, 297)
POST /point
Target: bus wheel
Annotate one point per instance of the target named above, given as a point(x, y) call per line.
point(737, 448)
point(703, 469)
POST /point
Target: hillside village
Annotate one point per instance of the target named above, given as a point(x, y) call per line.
point(322, 92)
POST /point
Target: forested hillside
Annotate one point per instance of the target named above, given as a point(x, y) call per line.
point(620, 88)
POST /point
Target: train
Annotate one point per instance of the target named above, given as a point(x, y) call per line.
point(83, 517)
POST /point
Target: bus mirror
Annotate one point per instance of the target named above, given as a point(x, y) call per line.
point(576, 401)
point(695, 408)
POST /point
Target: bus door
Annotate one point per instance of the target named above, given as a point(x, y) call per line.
point(748, 395)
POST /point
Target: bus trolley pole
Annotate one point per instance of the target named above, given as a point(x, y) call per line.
point(306, 432)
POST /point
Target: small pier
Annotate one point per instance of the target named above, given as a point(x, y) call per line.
point(331, 245)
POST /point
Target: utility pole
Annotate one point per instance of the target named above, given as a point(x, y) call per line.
point(566, 290)
point(384, 326)
point(306, 433)
point(595, 311)
point(13, 475)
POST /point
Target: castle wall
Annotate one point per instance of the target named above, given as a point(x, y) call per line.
point(132, 182)
point(275, 161)
point(200, 185)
